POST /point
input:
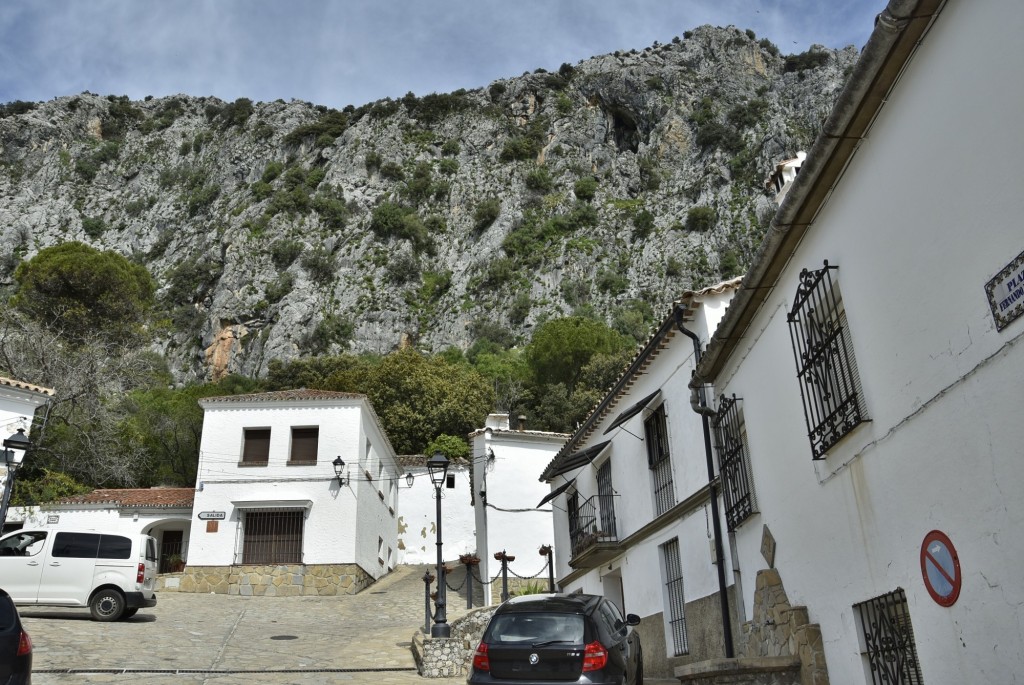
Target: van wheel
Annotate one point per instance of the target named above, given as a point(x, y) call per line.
point(107, 605)
point(128, 613)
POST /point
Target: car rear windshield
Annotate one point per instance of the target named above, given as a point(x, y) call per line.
point(529, 628)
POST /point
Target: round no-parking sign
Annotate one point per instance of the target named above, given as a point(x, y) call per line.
point(940, 567)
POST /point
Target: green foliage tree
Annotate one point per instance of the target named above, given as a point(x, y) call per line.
point(82, 291)
point(486, 213)
point(168, 423)
point(585, 188)
point(701, 219)
point(560, 348)
point(48, 486)
point(419, 397)
point(451, 446)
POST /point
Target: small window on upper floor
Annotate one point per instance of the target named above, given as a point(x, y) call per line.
point(826, 369)
point(256, 446)
point(305, 442)
point(656, 438)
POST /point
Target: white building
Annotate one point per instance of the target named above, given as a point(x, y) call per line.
point(631, 497)
point(508, 499)
point(18, 404)
point(872, 364)
point(164, 513)
point(417, 513)
point(271, 516)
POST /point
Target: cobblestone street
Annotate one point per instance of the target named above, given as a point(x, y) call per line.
point(191, 638)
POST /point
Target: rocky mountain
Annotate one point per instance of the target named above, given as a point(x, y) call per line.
point(283, 229)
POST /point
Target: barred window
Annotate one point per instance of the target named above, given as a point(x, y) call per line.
point(889, 640)
point(256, 446)
point(656, 432)
point(272, 536)
point(826, 369)
point(733, 462)
point(672, 572)
point(305, 442)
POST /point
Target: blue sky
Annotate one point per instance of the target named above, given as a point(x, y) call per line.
point(336, 52)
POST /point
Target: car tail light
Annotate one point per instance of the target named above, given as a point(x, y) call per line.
point(595, 657)
point(141, 576)
point(24, 644)
point(482, 662)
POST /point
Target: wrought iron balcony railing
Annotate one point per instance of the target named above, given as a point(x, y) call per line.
point(593, 524)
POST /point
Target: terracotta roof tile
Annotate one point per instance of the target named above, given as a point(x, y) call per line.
point(26, 386)
point(162, 498)
point(284, 396)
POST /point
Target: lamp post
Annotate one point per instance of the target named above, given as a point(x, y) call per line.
point(437, 467)
point(14, 452)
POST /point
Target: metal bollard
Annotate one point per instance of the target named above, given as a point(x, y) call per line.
point(427, 580)
point(469, 561)
point(504, 559)
point(546, 551)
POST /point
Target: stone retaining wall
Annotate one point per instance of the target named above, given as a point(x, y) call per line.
point(270, 581)
point(450, 657)
point(781, 630)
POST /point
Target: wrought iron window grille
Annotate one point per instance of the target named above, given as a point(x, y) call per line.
point(272, 536)
point(826, 368)
point(733, 462)
point(673, 570)
point(658, 461)
point(889, 640)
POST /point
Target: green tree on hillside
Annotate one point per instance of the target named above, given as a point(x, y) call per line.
point(561, 348)
point(82, 291)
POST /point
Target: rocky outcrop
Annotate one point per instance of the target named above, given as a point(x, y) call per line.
point(283, 229)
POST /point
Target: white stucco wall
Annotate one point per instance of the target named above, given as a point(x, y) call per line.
point(507, 518)
point(929, 210)
point(638, 569)
point(417, 534)
point(343, 524)
point(17, 409)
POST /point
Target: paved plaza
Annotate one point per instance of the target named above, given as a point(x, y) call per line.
point(229, 640)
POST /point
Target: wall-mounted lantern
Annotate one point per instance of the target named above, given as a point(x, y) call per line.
point(339, 471)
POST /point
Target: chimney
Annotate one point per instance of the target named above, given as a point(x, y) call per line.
point(497, 422)
point(522, 422)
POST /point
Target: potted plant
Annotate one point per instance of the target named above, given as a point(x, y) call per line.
point(176, 563)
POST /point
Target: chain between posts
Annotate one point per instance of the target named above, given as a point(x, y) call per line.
point(478, 579)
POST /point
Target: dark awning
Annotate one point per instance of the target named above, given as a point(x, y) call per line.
point(556, 492)
point(631, 412)
point(578, 459)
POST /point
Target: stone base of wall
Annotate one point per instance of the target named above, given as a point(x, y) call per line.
point(318, 580)
point(743, 671)
point(451, 656)
point(778, 629)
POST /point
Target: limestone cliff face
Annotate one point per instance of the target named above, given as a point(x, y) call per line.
point(282, 229)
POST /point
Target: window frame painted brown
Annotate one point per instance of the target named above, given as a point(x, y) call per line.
point(306, 435)
point(253, 446)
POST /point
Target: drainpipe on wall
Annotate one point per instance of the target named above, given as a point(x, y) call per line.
point(699, 404)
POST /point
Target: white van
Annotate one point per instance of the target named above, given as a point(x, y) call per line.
point(111, 573)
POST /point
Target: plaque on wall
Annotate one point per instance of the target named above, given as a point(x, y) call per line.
point(768, 546)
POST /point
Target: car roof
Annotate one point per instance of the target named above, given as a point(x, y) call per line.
point(559, 603)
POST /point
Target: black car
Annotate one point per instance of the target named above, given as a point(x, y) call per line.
point(15, 645)
point(559, 639)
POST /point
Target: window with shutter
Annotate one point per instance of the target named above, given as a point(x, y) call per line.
point(304, 445)
point(256, 447)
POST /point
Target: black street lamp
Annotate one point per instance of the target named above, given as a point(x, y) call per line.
point(339, 470)
point(437, 467)
point(13, 453)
